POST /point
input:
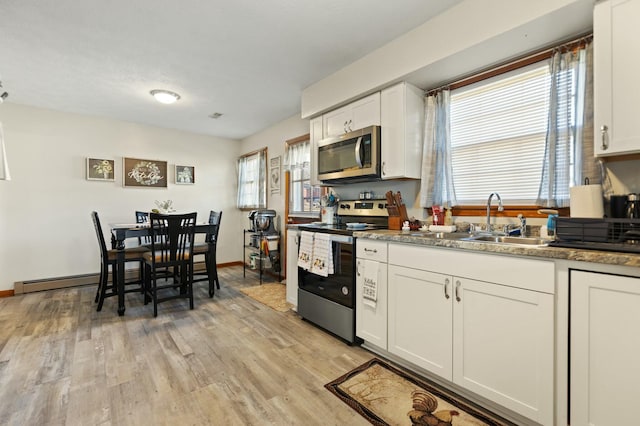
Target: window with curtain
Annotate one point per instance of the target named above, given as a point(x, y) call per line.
point(304, 198)
point(498, 130)
point(524, 132)
point(252, 182)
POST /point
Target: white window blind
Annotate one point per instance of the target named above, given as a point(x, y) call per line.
point(498, 129)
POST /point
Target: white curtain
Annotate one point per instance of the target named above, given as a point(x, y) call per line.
point(298, 156)
point(252, 182)
point(568, 158)
point(436, 186)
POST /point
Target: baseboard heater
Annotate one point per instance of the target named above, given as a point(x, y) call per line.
point(22, 287)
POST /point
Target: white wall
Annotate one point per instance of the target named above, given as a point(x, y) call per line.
point(45, 225)
point(469, 36)
point(274, 139)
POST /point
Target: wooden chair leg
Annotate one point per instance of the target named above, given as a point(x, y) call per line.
point(99, 289)
point(103, 285)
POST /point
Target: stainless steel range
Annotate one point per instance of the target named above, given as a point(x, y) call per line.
point(329, 302)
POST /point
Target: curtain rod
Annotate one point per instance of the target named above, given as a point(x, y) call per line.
point(532, 58)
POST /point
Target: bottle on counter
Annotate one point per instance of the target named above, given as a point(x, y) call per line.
point(448, 218)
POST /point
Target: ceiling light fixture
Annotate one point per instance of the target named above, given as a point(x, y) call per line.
point(165, 96)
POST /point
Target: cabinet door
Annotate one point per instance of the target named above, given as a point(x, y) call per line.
point(616, 85)
point(503, 346)
point(292, 267)
point(336, 122)
point(371, 316)
point(354, 116)
point(420, 318)
point(315, 135)
point(365, 112)
point(605, 341)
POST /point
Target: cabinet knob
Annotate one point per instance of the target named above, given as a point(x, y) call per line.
point(604, 132)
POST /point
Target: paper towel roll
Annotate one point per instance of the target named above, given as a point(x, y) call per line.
point(586, 201)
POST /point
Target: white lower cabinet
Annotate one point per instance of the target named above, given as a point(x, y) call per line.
point(420, 319)
point(503, 346)
point(371, 315)
point(292, 267)
point(494, 339)
point(605, 342)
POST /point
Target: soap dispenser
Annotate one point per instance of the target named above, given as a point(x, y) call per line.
point(448, 218)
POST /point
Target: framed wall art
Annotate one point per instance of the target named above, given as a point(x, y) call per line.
point(101, 169)
point(144, 173)
point(185, 175)
point(274, 175)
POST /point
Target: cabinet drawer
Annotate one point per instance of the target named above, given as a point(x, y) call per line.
point(371, 249)
point(530, 274)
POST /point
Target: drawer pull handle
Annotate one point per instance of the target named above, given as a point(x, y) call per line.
point(458, 291)
point(446, 292)
point(367, 250)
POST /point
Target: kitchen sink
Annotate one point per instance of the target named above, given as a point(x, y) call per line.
point(503, 239)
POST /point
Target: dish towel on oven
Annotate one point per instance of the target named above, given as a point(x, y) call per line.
point(322, 259)
point(305, 251)
point(370, 279)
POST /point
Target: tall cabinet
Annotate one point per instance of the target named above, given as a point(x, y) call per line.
point(616, 85)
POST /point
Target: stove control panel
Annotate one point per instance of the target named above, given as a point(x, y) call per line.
point(363, 208)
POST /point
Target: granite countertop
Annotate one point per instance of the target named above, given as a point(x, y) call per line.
point(417, 238)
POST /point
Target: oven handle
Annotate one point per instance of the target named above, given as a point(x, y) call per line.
point(343, 239)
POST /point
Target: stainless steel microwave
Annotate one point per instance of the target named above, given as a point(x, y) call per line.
point(350, 157)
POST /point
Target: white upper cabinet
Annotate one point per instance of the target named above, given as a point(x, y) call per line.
point(401, 118)
point(315, 135)
point(399, 110)
point(616, 85)
point(357, 115)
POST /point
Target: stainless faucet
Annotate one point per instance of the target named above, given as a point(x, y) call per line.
point(500, 208)
point(521, 230)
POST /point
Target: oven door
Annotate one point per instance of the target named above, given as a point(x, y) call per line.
point(338, 287)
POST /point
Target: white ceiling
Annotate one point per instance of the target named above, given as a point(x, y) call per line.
point(249, 60)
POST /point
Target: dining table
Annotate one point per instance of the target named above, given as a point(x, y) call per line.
point(120, 232)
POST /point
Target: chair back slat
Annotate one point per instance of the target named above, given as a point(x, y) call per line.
point(214, 219)
point(172, 238)
point(143, 217)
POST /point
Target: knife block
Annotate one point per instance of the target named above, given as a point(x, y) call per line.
point(395, 223)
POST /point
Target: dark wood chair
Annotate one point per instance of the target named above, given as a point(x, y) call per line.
point(210, 253)
point(143, 217)
point(169, 264)
point(108, 258)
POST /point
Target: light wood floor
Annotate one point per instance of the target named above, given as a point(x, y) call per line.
point(230, 361)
